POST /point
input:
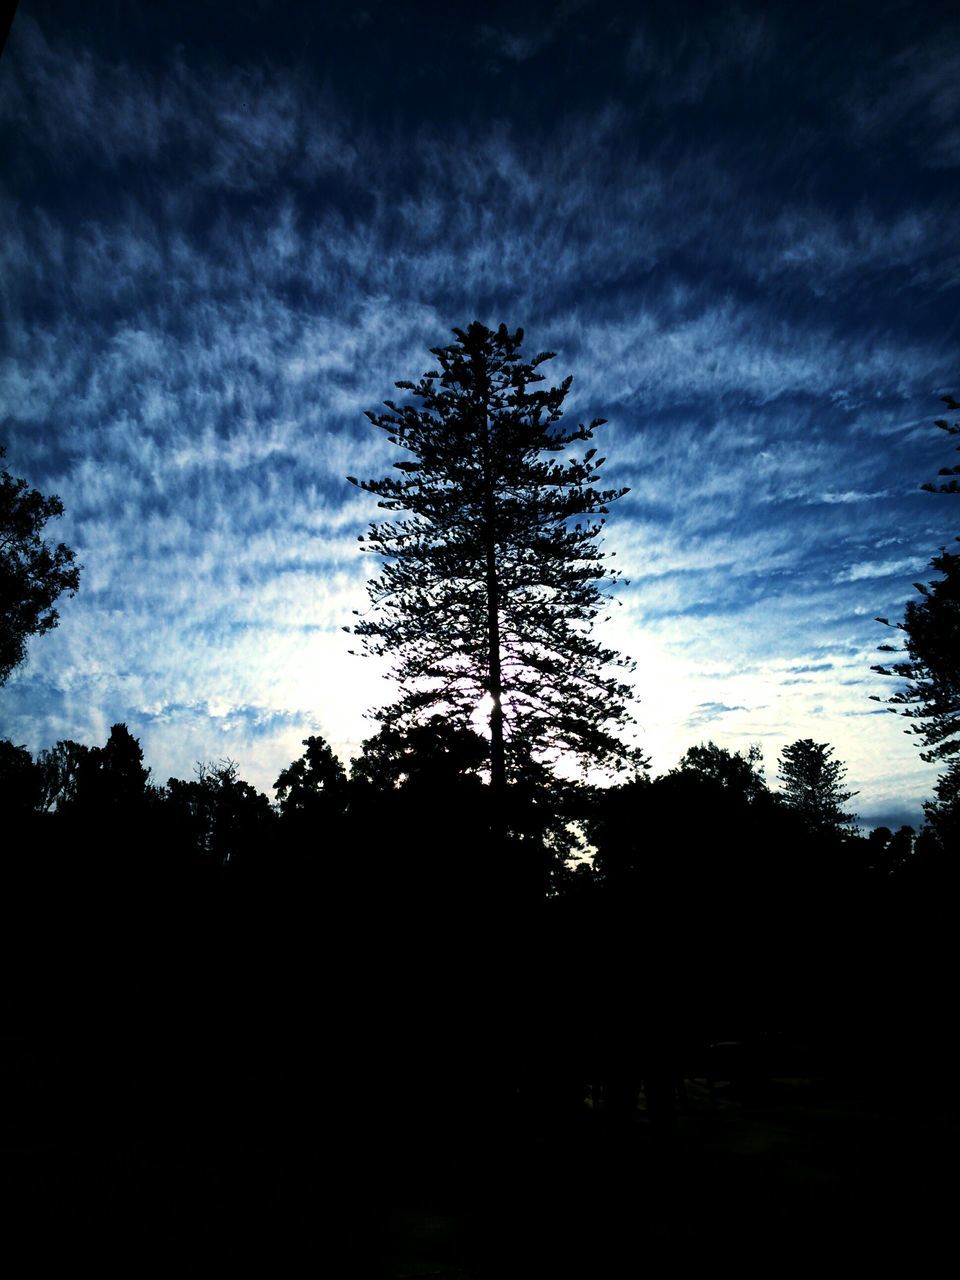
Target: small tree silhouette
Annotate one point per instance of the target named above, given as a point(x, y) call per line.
point(813, 785)
point(32, 574)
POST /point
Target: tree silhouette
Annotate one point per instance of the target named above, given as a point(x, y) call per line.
point(312, 797)
point(490, 583)
point(433, 755)
point(32, 573)
point(416, 813)
point(813, 785)
point(313, 786)
point(886, 851)
point(952, 429)
point(60, 768)
point(219, 815)
point(21, 783)
point(114, 776)
point(943, 814)
point(737, 773)
point(931, 660)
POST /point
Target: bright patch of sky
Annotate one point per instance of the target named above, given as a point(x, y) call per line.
point(226, 230)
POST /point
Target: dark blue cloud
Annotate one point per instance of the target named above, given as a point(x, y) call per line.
point(709, 712)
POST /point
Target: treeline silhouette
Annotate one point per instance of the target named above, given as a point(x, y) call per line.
point(228, 1015)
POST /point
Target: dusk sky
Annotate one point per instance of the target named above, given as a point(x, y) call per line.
point(228, 228)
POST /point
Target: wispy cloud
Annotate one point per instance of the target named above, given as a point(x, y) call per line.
point(213, 265)
point(879, 569)
point(912, 93)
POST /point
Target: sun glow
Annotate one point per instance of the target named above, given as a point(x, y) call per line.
point(480, 720)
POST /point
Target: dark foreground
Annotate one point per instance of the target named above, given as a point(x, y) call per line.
point(372, 1090)
point(794, 1173)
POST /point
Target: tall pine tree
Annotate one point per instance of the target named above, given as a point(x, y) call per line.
point(490, 582)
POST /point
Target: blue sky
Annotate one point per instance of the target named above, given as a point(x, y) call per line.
point(227, 229)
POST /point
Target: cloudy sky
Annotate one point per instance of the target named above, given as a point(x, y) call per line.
point(227, 228)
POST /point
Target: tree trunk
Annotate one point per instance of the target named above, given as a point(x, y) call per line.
point(498, 772)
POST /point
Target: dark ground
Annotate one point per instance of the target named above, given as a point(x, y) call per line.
point(788, 1171)
point(794, 1174)
point(240, 1082)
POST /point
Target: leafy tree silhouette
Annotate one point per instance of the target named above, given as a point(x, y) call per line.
point(60, 767)
point(490, 583)
point(32, 573)
point(113, 777)
point(102, 800)
point(21, 782)
point(886, 852)
point(434, 755)
point(312, 798)
point(410, 792)
point(692, 835)
point(313, 786)
point(735, 772)
point(437, 768)
point(218, 815)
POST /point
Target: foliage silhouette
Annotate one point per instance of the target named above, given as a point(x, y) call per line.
point(813, 785)
point(943, 813)
point(887, 851)
point(462, 1043)
point(696, 836)
point(313, 786)
point(432, 755)
point(952, 429)
point(931, 697)
point(931, 660)
point(33, 574)
point(218, 815)
point(735, 772)
point(112, 777)
point(417, 807)
point(21, 781)
point(488, 586)
point(61, 766)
